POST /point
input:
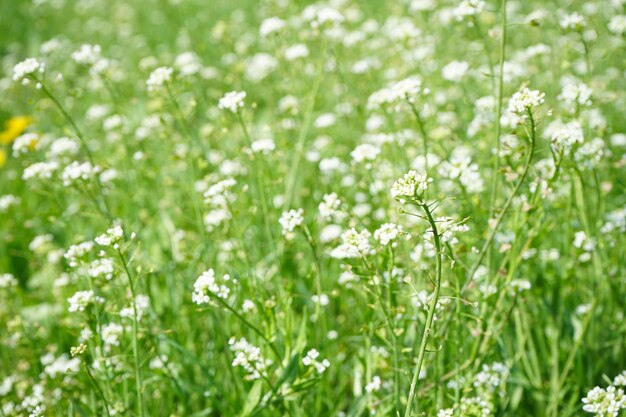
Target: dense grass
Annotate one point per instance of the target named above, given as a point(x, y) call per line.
point(497, 289)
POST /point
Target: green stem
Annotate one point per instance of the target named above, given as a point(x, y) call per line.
point(431, 308)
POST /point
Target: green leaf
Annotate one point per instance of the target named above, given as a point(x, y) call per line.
point(252, 400)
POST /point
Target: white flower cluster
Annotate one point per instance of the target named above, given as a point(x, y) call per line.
point(218, 196)
point(387, 233)
point(76, 172)
point(320, 15)
point(605, 402)
point(289, 220)
point(467, 8)
point(24, 70)
point(249, 357)
point(311, 359)
point(461, 168)
point(159, 77)
point(355, 244)
point(82, 299)
point(7, 201)
point(112, 237)
point(617, 25)
point(575, 94)
point(374, 385)
point(573, 21)
point(398, 93)
point(7, 280)
point(40, 170)
point(87, 54)
point(329, 207)
point(101, 268)
point(412, 184)
point(271, 25)
point(590, 154)
point(110, 334)
point(264, 146)
point(586, 244)
point(206, 285)
point(60, 365)
point(365, 152)
point(25, 143)
point(232, 101)
point(564, 136)
point(77, 252)
point(142, 303)
point(491, 377)
point(525, 101)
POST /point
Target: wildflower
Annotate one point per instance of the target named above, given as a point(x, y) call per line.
point(590, 154)
point(27, 69)
point(142, 303)
point(111, 333)
point(7, 280)
point(271, 25)
point(374, 385)
point(573, 21)
point(319, 16)
point(76, 252)
point(387, 233)
point(294, 52)
point(248, 357)
point(311, 360)
point(77, 172)
point(7, 201)
point(617, 25)
point(82, 299)
point(403, 91)
point(112, 237)
point(260, 66)
point(329, 207)
point(26, 142)
point(87, 54)
point(468, 8)
point(355, 244)
point(412, 184)
point(101, 268)
point(63, 146)
point(289, 220)
point(232, 101)
point(605, 402)
point(575, 94)
point(264, 146)
point(525, 101)
point(455, 71)
point(564, 136)
point(78, 350)
point(188, 63)
point(159, 77)
point(365, 152)
point(40, 170)
point(207, 285)
point(620, 380)
point(14, 127)
point(220, 194)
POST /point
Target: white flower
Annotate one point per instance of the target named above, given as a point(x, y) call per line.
point(311, 360)
point(617, 25)
point(329, 206)
point(271, 25)
point(296, 51)
point(25, 143)
point(365, 152)
point(355, 244)
point(76, 252)
point(87, 54)
point(159, 77)
point(7, 201)
point(455, 71)
point(374, 385)
point(101, 268)
point(412, 184)
point(82, 299)
point(264, 146)
point(248, 357)
point(319, 15)
point(142, 303)
point(27, 68)
point(468, 8)
point(387, 233)
point(7, 280)
point(573, 21)
point(605, 402)
point(112, 237)
point(64, 146)
point(524, 101)
point(260, 66)
point(575, 94)
point(188, 63)
point(111, 333)
point(232, 101)
point(289, 220)
point(398, 93)
point(207, 284)
point(40, 170)
point(76, 172)
point(564, 136)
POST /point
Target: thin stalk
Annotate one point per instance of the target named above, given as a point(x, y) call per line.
point(97, 386)
point(420, 125)
point(318, 270)
point(431, 309)
point(498, 124)
point(138, 381)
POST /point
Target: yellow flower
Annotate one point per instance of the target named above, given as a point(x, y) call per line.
point(3, 157)
point(13, 128)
